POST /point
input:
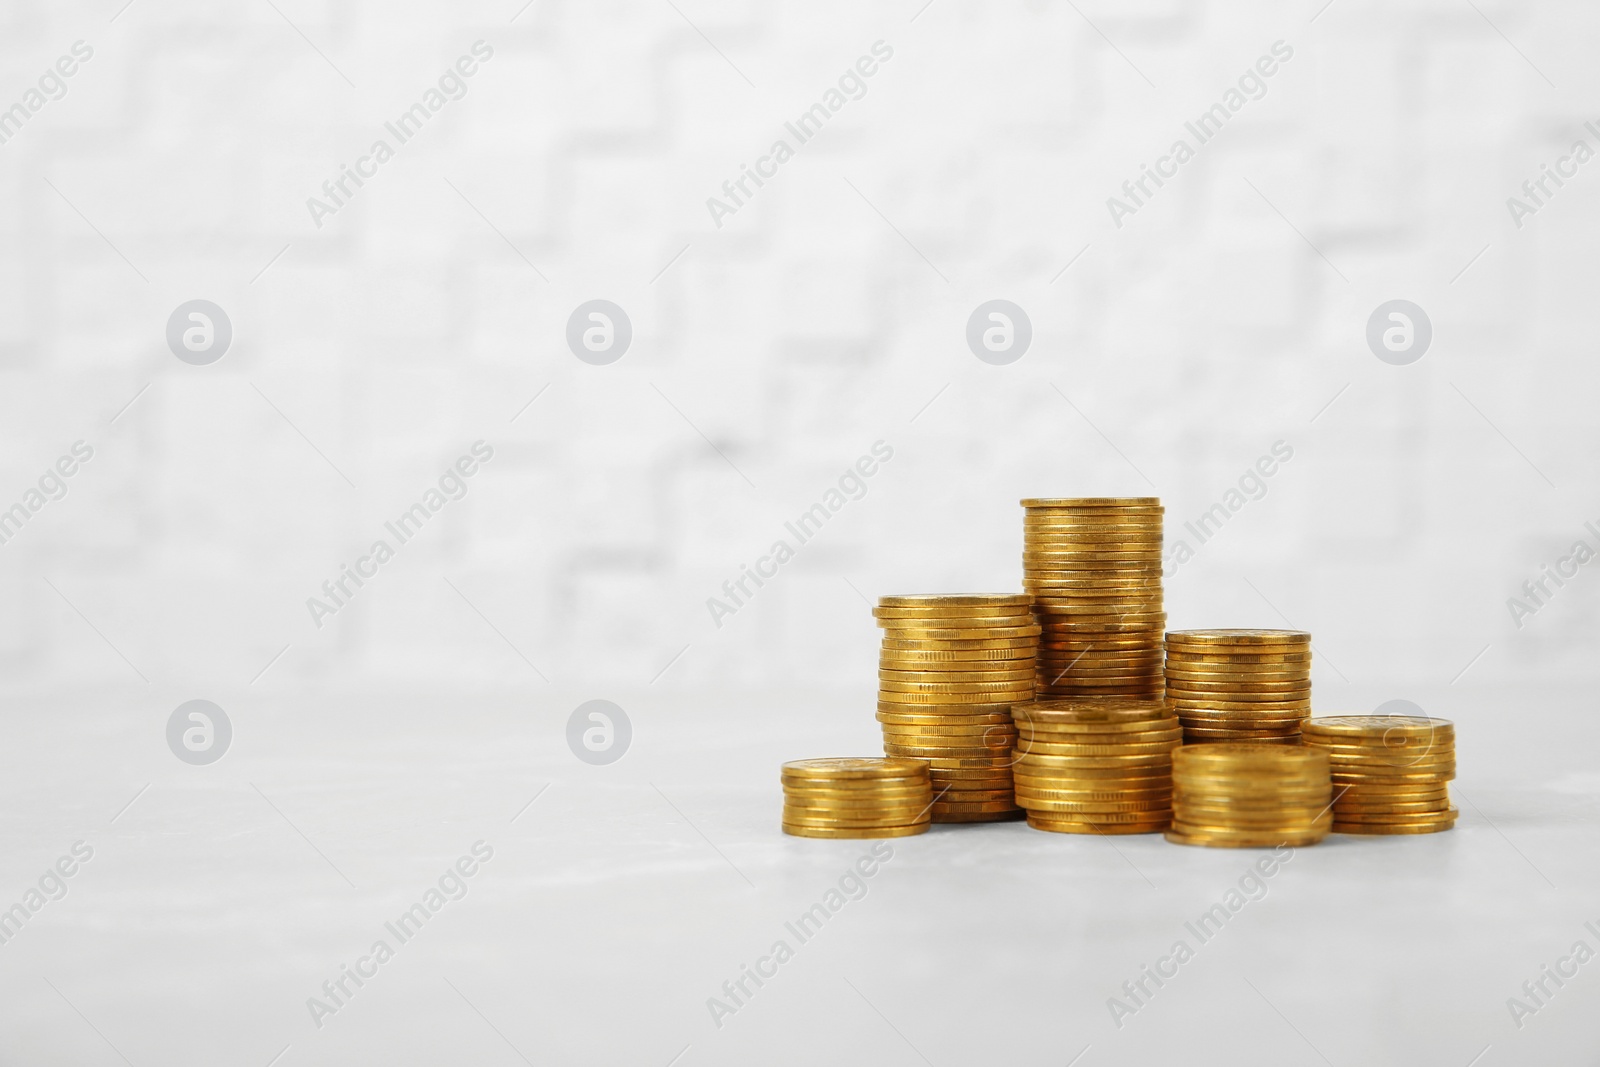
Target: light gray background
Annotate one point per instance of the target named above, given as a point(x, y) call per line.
point(767, 356)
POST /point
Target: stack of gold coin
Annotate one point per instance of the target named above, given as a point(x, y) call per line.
point(1096, 764)
point(856, 797)
point(1240, 685)
point(1093, 565)
point(1249, 794)
point(1389, 772)
point(948, 673)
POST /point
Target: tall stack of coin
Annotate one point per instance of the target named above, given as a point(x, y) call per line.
point(1240, 685)
point(1249, 794)
point(1389, 772)
point(1093, 565)
point(856, 797)
point(949, 671)
point(1096, 765)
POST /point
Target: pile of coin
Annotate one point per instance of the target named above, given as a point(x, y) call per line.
point(1240, 685)
point(1096, 764)
point(1093, 565)
point(1249, 794)
point(856, 797)
point(1389, 772)
point(949, 671)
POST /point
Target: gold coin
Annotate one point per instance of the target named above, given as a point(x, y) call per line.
point(1037, 746)
point(1295, 840)
point(1379, 792)
point(962, 633)
point(864, 832)
point(1395, 818)
point(886, 718)
point(945, 807)
point(1014, 604)
point(1252, 637)
point(1214, 683)
point(858, 788)
point(1342, 808)
point(1162, 733)
point(1019, 674)
point(1005, 734)
point(922, 663)
point(1142, 790)
point(1362, 726)
point(793, 818)
point(1201, 660)
point(1110, 502)
point(896, 644)
point(894, 702)
point(994, 690)
point(935, 600)
point(1183, 704)
point(1380, 746)
point(1374, 829)
point(908, 804)
point(1230, 757)
point(854, 767)
point(978, 816)
point(1031, 774)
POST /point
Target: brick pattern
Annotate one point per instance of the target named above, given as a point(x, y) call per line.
point(769, 353)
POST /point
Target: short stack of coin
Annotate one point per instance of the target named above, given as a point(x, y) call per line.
point(1240, 685)
point(1249, 794)
point(1389, 772)
point(1093, 565)
point(856, 797)
point(1096, 764)
point(949, 671)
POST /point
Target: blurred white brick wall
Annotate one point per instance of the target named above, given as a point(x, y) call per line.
point(793, 337)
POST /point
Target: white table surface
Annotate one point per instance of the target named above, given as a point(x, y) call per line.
point(618, 902)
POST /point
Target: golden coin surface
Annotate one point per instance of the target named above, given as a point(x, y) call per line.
point(1015, 604)
point(1157, 792)
point(1373, 829)
point(1017, 674)
point(896, 644)
point(917, 600)
point(944, 807)
point(1230, 757)
point(1252, 637)
point(1002, 702)
point(925, 634)
point(865, 832)
point(792, 818)
point(956, 666)
point(903, 802)
point(1365, 725)
point(855, 767)
point(1237, 656)
point(1394, 817)
point(1156, 727)
point(1042, 747)
point(949, 729)
point(981, 722)
point(1378, 793)
point(1342, 809)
